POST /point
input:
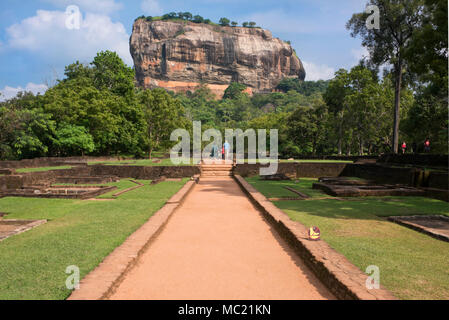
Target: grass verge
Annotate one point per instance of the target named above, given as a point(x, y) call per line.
point(412, 265)
point(276, 189)
point(81, 233)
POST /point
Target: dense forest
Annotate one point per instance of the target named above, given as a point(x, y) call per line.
point(97, 109)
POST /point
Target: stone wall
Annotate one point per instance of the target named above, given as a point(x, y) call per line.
point(380, 174)
point(431, 160)
point(295, 169)
point(51, 162)
point(318, 170)
point(138, 172)
point(395, 175)
point(145, 173)
point(439, 180)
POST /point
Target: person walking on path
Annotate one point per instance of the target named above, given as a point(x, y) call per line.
point(403, 147)
point(427, 145)
point(214, 153)
point(226, 146)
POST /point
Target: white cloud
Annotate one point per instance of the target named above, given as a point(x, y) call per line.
point(46, 34)
point(316, 72)
point(10, 92)
point(151, 7)
point(99, 6)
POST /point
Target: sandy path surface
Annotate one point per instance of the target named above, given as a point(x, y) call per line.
point(218, 246)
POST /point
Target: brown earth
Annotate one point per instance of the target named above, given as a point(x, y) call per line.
point(218, 246)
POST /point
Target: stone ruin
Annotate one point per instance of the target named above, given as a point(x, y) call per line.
point(66, 184)
point(276, 177)
point(434, 226)
point(58, 192)
point(356, 187)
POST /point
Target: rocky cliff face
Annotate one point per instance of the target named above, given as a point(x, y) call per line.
point(178, 55)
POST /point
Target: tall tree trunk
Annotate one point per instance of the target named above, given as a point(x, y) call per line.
point(150, 149)
point(397, 105)
point(360, 146)
point(340, 138)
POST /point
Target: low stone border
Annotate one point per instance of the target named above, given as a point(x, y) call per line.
point(32, 224)
point(139, 185)
point(299, 193)
point(97, 191)
point(102, 282)
point(340, 276)
point(407, 221)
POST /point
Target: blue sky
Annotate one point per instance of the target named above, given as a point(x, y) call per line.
point(35, 43)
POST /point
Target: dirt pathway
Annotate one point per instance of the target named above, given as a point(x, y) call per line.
point(218, 246)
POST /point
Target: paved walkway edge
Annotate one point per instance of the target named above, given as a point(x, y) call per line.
point(101, 283)
point(334, 270)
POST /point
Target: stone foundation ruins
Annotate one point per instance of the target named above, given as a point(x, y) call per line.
point(353, 187)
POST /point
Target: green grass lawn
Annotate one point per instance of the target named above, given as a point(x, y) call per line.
point(275, 189)
point(81, 233)
point(412, 265)
point(26, 170)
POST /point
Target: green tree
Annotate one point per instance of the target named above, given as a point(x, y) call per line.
point(273, 121)
point(25, 129)
point(427, 55)
point(306, 127)
point(73, 140)
point(427, 118)
point(252, 24)
point(234, 91)
point(224, 22)
point(364, 105)
point(163, 114)
point(198, 19)
point(188, 16)
point(389, 44)
point(335, 96)
point(78, 70)
point(245, 24)
point(307, 88)
point(111, 73)
point(428, 49)
point(234, 24)
point(103, 102)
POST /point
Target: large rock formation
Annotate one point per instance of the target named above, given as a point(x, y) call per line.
point(178, 55)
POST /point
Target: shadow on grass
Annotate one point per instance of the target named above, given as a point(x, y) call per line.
point(368, 208)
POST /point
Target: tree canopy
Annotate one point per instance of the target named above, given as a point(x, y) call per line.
point(96, 109)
